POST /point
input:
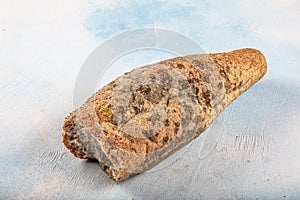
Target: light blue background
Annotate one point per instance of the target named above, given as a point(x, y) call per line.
point(44, 44)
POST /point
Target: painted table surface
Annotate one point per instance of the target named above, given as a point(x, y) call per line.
point(42, 47)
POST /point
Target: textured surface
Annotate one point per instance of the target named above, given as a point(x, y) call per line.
point(145, 115)
point(42, 47)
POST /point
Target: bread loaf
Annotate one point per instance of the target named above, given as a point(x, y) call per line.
point(143, 116)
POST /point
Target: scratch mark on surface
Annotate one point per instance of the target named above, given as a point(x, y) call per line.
point(51, 159)
point(252, 143)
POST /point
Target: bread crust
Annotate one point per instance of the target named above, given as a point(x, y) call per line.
point(143, 116)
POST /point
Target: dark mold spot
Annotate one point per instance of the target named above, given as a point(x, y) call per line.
point(180, 66)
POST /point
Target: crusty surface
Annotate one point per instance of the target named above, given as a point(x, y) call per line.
point(145, 115)
point(240, 70)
